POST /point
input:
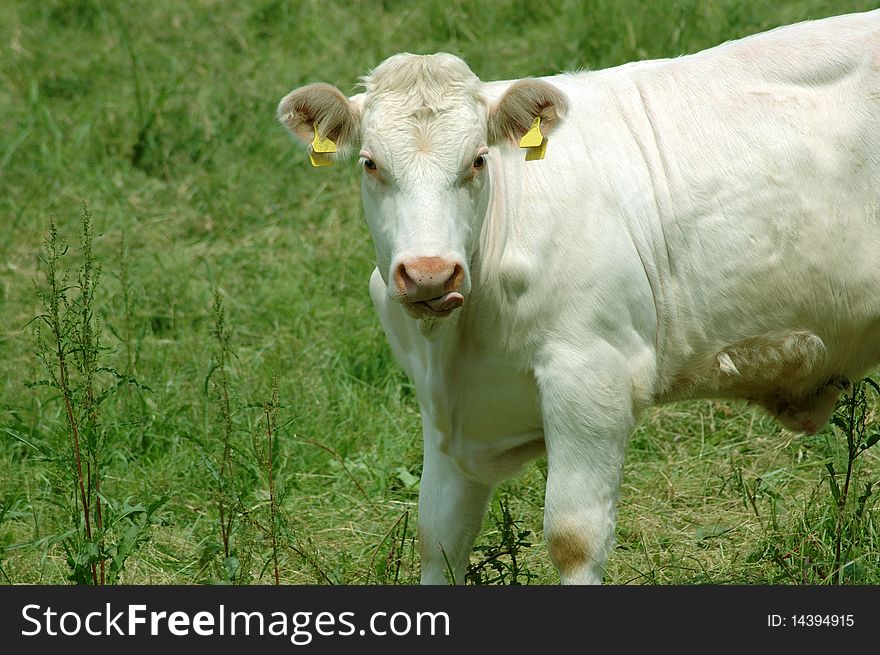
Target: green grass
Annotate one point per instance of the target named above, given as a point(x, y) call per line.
point(160, 116)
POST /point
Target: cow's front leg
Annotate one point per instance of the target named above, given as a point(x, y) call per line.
point(451, 509)
point(587, 400)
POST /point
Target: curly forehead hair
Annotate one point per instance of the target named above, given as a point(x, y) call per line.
point(433, 82)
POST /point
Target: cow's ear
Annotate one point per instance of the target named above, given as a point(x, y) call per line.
point(323, 120)
point(514, 114)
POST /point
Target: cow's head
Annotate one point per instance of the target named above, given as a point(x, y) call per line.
point(423, 129)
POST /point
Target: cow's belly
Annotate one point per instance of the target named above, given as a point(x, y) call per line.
point(796, 375)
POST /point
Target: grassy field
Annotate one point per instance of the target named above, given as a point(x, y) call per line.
point(159, 117)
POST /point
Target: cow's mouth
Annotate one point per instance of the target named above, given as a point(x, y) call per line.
point(437, 307)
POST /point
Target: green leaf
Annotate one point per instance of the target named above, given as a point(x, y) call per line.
point(231, 566)
point(42, 448)
point(407, 478)
point(832, 481)
point(711, 531)
point(863, 499)
point(42, 383)
point(121, 381)
point(840, 422)
point(156, 504)
point(381, 567)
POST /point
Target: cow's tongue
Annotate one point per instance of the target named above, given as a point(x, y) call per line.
point(446, 302)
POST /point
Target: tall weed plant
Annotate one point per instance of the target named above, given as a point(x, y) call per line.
point(102, 531)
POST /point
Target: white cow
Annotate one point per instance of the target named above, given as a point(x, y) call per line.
point(705, 226)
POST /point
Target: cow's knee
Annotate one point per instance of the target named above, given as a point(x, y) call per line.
point(569, 551)
point(577, 550)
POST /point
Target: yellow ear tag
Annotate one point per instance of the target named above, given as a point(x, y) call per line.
point(534, 142)
point(538, 152)
point(320, 159)
point(319, 153)
point(532, 138)
point(322, 144)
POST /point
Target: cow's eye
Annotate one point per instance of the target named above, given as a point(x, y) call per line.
point(369, 164)
point(480, 162)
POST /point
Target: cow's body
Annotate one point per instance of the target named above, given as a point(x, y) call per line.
point(706, 226)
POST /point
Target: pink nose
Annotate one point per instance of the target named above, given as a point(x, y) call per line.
point(427, 278)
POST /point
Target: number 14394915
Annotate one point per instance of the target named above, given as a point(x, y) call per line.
point(811, 621)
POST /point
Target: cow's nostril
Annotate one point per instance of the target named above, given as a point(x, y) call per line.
point(455, 279)
point(402, 280)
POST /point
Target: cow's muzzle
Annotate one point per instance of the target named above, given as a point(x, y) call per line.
point(429, 287)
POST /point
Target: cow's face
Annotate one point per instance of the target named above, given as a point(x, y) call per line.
point(422, 130)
